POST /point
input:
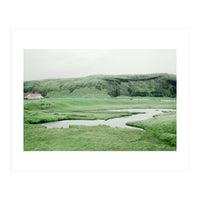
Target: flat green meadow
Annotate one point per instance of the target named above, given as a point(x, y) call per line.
point(159, 134)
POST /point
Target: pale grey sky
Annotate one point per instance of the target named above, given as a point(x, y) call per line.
point(48, 64)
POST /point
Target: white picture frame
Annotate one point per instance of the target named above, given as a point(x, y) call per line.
point(100, 39)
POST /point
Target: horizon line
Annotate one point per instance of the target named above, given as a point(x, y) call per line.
point(97, 75)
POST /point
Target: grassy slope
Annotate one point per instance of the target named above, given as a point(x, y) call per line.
point(54, 109)
point(103, 86)
point(162, 127)
point(98, 138)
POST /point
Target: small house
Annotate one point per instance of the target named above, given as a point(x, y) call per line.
point(34, 96)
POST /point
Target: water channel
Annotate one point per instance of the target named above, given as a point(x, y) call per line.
point(115, 122)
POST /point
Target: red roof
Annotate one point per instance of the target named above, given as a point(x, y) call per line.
point(34, 95)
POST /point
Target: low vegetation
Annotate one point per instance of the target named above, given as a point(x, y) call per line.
point(159, 134)
point(55, 109)
point(97, 138)
point(102, 86)
point(92, 98)
point(162, 127)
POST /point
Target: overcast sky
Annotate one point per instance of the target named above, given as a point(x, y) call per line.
point(47, 64)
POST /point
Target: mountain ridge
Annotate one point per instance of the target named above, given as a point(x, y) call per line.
point(157, 84)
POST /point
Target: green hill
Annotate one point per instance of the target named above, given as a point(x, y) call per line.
point(155, 85)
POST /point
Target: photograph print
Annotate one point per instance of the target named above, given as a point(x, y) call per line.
point(100, 100)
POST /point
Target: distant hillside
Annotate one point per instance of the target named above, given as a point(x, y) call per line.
point(156, 85)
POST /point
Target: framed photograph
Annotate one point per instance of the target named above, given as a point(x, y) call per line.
point(100, 100)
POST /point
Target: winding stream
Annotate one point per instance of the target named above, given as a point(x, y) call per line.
point(115, 122)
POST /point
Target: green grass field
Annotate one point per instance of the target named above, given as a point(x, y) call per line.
point(159, 134)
